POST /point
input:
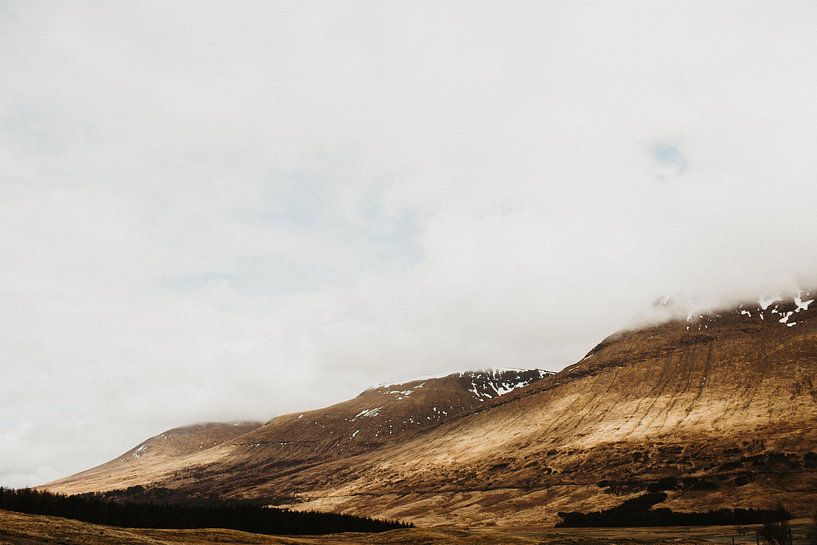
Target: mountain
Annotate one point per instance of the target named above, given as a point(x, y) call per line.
point(716, 410)
point(381, 415)
point(166, 449)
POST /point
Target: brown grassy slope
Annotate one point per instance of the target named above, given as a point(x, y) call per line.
point(726, 403)
point(381, 415)
point(170, 447)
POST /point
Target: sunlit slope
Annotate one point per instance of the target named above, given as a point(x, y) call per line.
point(168, 448)
point(382, 415)
point(717, 410)
point(725, 403)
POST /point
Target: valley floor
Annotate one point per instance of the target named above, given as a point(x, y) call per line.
point(21, 529)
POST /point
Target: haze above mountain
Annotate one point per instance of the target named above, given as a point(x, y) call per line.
point(212, 211)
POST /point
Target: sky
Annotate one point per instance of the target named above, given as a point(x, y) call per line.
point(222, 211)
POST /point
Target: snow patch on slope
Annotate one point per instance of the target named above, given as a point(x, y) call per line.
point(493, 383)
point(369, 413)
point(783, 310)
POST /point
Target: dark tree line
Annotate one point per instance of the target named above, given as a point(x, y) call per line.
point(638, 512)
point(236, 515)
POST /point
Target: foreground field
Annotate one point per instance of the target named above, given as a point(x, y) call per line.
point(20, 529)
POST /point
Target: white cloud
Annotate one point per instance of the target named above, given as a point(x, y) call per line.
point(211, 212)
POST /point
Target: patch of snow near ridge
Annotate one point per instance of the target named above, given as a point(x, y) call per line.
point(443, 374)
point(497, 385)
point(474, 390)
point(765, 307)
point(786, 317)
point(503, 389)
point(368, 412)
point(802, 305)
point(401, 394)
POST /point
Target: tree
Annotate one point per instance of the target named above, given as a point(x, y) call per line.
point(776, 533)
point(812, 532)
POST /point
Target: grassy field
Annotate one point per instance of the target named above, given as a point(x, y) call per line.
point(20, 529)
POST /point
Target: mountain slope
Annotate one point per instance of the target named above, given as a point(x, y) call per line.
point(168, 448)
point(380, 415)
point(719, 410)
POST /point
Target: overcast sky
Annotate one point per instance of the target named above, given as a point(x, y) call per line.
point(224, 211)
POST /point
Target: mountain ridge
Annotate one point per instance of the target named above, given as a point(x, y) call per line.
point(718, 407)
point(369, 419)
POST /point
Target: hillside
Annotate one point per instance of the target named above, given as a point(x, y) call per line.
point(168, 448)
point(717, 410)
point(380, 415)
